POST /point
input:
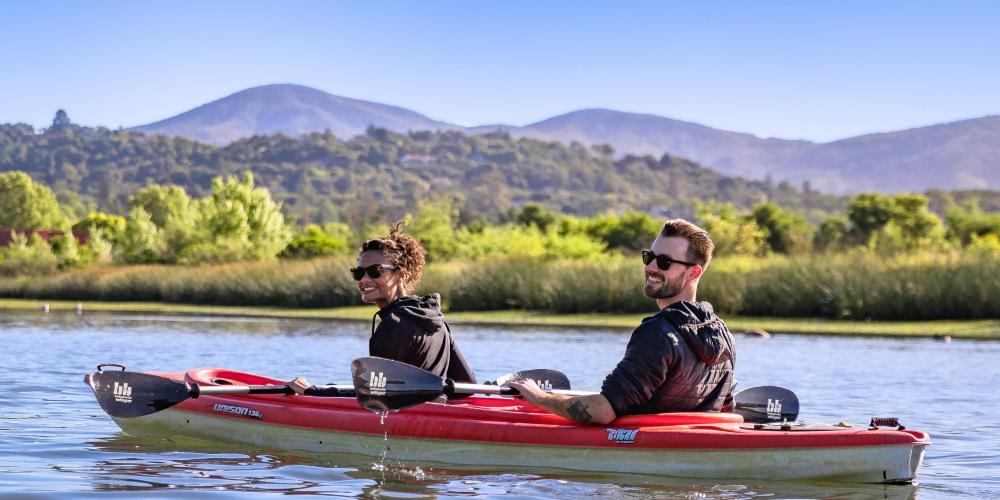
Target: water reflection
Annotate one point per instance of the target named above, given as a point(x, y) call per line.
point(188, 464)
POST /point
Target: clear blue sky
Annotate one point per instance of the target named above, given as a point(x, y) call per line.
point(794, 69)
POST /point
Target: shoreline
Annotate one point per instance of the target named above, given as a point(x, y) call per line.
point(940, 329)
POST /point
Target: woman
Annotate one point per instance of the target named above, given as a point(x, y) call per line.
point(412, 329)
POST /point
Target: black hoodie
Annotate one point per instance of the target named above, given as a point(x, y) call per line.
point(680, 359)
point(413, 331)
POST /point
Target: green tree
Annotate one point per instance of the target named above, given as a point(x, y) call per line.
point(534, 214)
point(25, 204)
point(27, 257)
point(163, 203)
point(732, 232)
point(918, 227)
point(786, 232)
point(434, 226)
point(110, 225)
point(313, 242)
point(633, 231)
point(869, 213)
point(832, 233)
point(244, 222)
point(141, 242)
point(967, 221)
point(61, 120)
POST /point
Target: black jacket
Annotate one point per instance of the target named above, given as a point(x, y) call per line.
point(413, 331)
point(680, 359)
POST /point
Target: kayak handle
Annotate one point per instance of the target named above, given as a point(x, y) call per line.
point(101, 366)
point(885, 422)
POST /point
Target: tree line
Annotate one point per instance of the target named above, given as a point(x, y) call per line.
point(321, 178)
point(239, 221)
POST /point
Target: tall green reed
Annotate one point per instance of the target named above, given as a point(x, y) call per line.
point(856, 285)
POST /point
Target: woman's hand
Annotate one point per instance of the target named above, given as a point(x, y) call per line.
point(299, 385)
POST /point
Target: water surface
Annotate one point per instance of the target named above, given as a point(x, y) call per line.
point(56, 442)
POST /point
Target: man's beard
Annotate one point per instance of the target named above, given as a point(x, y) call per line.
point(666, 290)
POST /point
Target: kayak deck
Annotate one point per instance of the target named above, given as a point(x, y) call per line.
point(497, 432)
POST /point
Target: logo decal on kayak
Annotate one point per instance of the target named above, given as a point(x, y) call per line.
point(123, 393)
point(773, 409)
point(544, 385)
point(238, 410)
point(622, 436)
point(376, 383)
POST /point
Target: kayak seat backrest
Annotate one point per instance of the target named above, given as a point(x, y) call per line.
point(220, 376)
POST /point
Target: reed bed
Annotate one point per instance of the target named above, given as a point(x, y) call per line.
point(850, 286)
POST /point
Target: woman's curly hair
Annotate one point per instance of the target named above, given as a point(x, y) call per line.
point(403, 251)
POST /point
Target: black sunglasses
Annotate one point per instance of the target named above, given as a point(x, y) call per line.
point(662, 261)
point(373, 271)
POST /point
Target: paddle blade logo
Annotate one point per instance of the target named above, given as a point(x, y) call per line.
point(773, 409)
point(376, 383)
point(123, 393)
point(622, 436)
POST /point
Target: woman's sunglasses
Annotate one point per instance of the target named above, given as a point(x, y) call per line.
point(662, 261)
point(373, 271)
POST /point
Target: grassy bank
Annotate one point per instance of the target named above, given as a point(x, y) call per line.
point(857, 285)
point(969, 329)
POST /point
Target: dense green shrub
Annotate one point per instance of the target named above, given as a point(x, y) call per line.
point(313, 242)
point(27, 257)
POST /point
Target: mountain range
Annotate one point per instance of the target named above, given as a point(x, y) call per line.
point(958, 155)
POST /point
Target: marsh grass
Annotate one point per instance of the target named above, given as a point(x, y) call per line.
point(856, 285)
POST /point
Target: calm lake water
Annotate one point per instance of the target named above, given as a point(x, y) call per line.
point(56, 442)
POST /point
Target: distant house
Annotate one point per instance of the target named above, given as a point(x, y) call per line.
point(418, 160)
point(82, 237)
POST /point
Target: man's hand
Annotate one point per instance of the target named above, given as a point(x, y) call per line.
point(529, 389)
point(299, 385)
point(591, 409)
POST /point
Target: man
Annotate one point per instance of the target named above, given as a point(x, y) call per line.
point(680, 359)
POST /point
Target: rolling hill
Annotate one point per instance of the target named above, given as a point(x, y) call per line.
point(958, 155)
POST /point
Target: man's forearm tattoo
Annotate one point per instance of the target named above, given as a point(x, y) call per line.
point(578, 412)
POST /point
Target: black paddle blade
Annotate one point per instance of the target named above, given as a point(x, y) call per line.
point(384, 384)
point(765, 404)
point(546, 379)
point(129, 394)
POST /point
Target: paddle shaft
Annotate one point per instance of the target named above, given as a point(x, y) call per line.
point(211, 390)
point(460, 388)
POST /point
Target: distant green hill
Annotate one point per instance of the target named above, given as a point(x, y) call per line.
point(957, 155)
point(381, 174)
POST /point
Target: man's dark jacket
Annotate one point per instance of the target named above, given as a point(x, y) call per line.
point(413, 331)
point(680, 359)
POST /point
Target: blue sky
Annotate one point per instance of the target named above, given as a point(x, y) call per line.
point(805, 69)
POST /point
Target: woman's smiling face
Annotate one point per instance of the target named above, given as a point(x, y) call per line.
point(386, 288)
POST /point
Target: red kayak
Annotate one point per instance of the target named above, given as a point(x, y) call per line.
point(498, 431)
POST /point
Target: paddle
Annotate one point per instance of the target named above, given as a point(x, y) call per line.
point(131, 394)
point(383, 384)
point(767, 404)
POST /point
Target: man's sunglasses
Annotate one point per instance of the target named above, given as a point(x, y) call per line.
point(373, 271)
point(662, 261)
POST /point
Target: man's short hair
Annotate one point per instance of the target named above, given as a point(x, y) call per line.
point(700, 246)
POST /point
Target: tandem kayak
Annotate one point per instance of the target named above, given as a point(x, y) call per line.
point(498, 431)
